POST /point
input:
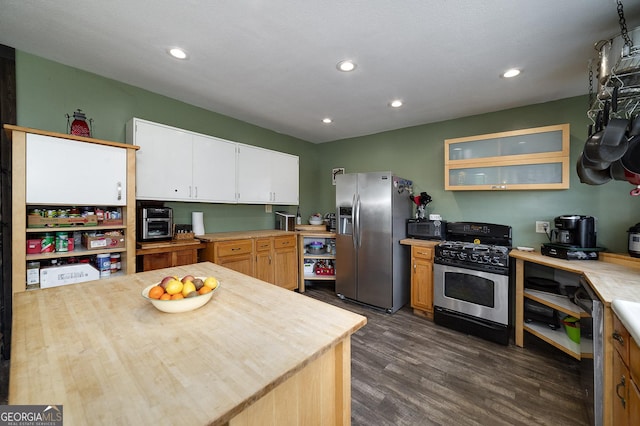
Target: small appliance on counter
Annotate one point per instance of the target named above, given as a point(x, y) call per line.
point(285, 221)
point(634, 240)
point(425, 229)
point(154, 223)
point(573, 238)
point(330, 220)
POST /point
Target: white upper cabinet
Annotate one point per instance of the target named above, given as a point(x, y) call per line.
point(179, 165)
point(267, 177)
point(163, 162)
point(214, 170)
point(57, 168)
point(285, 178)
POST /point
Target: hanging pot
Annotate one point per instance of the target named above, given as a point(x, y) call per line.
point(604, 67)
point(591, 176)
point(617, 171)
point(631, 159)
point(608, 145)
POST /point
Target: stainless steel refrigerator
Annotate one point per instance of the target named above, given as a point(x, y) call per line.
point(372, 267)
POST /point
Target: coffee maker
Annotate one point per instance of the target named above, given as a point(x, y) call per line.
point(574, 230)
point(573, 237)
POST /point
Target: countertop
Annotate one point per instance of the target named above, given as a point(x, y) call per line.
point(629, 314)
point(419, 242)
point(108, 356)
point(609, 280)
point(236, 235)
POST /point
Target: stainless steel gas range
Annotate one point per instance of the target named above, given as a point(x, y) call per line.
point(471, 283)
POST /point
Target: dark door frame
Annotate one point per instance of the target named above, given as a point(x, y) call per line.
point(8, 115)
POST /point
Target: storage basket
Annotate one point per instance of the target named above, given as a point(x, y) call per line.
point(572, 327)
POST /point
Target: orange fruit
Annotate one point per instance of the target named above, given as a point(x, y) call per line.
point(165, 296)
point(204, 290)
point(155, 292)
point(177, 296)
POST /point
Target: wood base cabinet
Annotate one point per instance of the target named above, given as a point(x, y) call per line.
point(285, 268)
point(273, 259)
point(233, 254)
point(158, 255)
point(422, 280)
point(626, 376)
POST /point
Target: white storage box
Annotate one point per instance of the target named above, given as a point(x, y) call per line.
point(308, 266)
point(67, 274)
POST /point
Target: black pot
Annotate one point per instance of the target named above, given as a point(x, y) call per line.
point(591, 176)
point(608, 145)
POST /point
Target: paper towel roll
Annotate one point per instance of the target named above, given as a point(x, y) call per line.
point(197, 223)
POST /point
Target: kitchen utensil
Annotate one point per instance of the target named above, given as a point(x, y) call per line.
point(634, 240)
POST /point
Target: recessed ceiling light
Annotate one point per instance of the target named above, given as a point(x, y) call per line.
point(327, 120)
point(177, 53)
point(397, 103)
point(346, 66)
point(511, 73)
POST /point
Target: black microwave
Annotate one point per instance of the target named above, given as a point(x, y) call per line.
point(426, 229)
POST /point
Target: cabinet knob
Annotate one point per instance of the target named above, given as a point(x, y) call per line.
point(119, 191)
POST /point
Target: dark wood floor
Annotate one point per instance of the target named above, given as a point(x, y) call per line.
point(408, 371)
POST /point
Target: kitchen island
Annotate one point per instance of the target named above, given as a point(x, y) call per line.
point(255, 354)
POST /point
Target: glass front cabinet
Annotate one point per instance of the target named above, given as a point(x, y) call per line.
point(536, 158)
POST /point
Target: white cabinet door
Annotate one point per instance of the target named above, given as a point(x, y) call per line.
point(63, 171)
point(214, 170)
point(254, 175)
point(284, 178)
point(163, 162)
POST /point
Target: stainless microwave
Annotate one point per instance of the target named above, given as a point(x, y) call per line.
point(426, 229)
point(285, 221)
point(155, 223)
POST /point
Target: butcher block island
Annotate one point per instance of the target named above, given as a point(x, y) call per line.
point(255, 354)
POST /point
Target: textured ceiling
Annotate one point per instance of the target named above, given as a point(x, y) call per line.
point(273, 63)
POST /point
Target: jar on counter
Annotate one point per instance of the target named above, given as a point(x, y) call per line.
point(33, 275)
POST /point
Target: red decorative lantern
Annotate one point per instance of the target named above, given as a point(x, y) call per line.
point(79, 126)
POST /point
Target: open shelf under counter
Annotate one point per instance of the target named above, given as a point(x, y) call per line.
point(556, 301)
point(557, 338)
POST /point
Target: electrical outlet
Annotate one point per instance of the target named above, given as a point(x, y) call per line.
point(542, 227)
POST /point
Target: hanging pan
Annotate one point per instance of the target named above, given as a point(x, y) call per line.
point(608, 145)
point(591, 176)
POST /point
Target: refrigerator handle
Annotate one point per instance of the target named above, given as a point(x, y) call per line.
point(357, 232)
point(354, 224)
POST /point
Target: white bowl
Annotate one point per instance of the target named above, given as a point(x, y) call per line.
point(314, 220)
point(180, 305)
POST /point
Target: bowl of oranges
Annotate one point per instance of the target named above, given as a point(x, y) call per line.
point(174, 294)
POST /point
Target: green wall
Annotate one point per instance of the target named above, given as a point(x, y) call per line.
point(48, 90)
point(417, 153)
